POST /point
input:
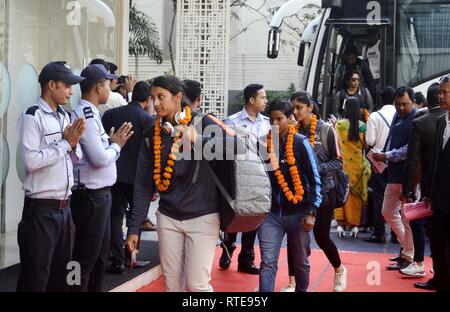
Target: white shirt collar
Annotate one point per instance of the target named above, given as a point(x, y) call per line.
point(245, 115)
point(85, 103)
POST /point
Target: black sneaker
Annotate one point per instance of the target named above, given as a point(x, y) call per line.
point(116, 269)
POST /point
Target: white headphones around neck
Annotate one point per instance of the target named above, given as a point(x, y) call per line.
point(168, 127)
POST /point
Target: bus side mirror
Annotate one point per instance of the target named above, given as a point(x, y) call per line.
point(274, 43)
point(301, 54)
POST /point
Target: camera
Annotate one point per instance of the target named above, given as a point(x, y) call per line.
point(122, 79)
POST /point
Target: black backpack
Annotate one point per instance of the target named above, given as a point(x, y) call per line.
point(341, 179)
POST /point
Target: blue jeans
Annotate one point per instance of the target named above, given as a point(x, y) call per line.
point(271, 234)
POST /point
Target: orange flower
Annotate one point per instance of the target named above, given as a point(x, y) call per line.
point(163, 185)
point(295, 175)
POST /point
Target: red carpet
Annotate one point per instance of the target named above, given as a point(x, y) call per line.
point(361, 268)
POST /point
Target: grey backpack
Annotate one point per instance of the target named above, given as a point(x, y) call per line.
point(245, 197)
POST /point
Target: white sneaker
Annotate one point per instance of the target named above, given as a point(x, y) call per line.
point(354, 233)
point(340, 231)
point(340, 281)
point(288, 288)
point(334, 224)
point(414, 270)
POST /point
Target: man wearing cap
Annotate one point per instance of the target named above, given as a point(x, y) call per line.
point(48, 145)
point(116, 99)
point(94, 175)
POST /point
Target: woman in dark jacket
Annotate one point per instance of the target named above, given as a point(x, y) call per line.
point(188, 215)
point(329, 160)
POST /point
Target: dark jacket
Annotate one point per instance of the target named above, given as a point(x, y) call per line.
point(440, 194)
point(133, 112)
point(421, 153)
point(192, 193)
point(329, 157)
point(309, 175)
point(398, 137)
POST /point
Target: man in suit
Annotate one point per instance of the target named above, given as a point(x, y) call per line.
point(397, 148)
point(122, 191)
point(419, 163)
point(440, 196)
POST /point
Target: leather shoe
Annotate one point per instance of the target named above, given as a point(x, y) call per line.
point(379, 239)
point(116, 269)
point(397, 258)
point(249, 269)
point(401, 264)
point(225, 260)
point(429, 285)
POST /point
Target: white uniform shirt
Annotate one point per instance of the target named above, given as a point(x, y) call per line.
point(97, 169)
point(257, 128)
point(47, 156)
point(377, 129)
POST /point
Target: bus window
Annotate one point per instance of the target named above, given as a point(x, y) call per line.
point(423, 29)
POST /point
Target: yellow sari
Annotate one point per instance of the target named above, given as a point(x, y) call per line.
point(358, 168)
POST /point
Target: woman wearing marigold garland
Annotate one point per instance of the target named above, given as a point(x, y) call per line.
point(352, 138)
point(188, 216)
point(296, 196)
point(329, 160)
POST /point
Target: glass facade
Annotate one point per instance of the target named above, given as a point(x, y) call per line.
point(33, 33)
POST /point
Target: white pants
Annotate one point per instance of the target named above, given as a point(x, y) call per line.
point(187, 250)
point(393, 214)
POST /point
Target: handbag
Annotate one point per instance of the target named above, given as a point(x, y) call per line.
point(417, 210)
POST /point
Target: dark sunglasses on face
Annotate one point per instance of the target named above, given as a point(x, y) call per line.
point(355, 79)
point(444, 79)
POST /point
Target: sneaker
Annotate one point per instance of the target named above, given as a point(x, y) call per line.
point(288, 288)
point(340, 231)
point(414, 270)
point(340, 281)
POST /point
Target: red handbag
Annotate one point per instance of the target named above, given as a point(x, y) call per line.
point(417, 211)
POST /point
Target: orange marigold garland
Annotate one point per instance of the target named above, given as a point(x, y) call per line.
point(162, 177)
point(295, 174)
point(312, 130)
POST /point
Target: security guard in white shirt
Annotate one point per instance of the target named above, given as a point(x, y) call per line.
point(48, 145)
point(94, 175)
point(256, 126)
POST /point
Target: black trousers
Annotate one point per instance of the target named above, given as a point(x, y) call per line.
point(322, 227)
point(440, 250)
point(378, 184)
point(45, 243)
point(247, 254)
point(91, 211)
point(122, 197)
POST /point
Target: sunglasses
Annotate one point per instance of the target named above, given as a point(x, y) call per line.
point(444, 79)
point(356, 79)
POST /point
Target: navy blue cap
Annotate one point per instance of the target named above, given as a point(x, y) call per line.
point(59, 71)
point(97, 72)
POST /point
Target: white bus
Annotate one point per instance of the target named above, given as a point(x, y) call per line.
point(414, 41)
